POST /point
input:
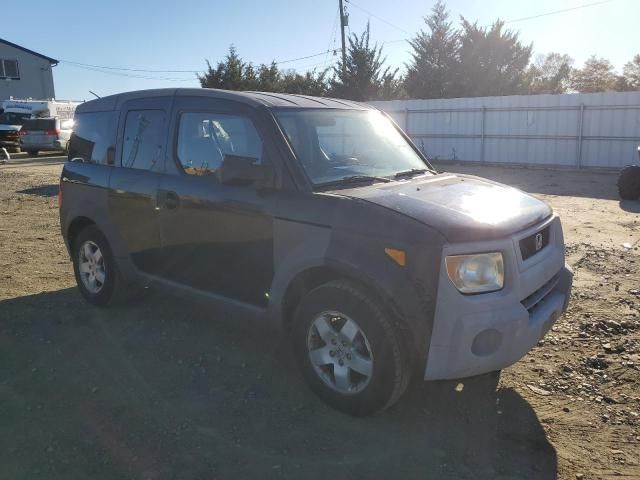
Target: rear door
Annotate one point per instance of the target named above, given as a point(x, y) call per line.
point(133, 186)
point(41, 132)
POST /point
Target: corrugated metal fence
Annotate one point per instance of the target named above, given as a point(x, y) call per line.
point(571, 130)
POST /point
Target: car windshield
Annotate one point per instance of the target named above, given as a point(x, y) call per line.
point(334, 145)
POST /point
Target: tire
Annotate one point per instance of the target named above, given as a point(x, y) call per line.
point(629, 182)
point(343, 311)
point(109, 288)
point(33, 153)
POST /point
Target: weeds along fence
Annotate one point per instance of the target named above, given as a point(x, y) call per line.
point(570, 130)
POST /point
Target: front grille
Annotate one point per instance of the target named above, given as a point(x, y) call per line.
point(537, 297)
point(532, 244)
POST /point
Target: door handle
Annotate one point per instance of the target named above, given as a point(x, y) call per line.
point(168, 199)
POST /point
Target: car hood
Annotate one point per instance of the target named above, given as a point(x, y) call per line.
point(461, 207)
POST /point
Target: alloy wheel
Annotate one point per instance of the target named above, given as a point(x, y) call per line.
point(91, 267)
point(340, 352)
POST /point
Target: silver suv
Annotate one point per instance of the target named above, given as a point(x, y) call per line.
point(49, 134)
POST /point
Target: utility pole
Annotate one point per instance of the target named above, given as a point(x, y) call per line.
point(344, 21)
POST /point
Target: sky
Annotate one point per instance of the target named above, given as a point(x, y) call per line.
point(170, 35)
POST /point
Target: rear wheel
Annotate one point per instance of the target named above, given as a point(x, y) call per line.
point(629, 182)
point(350, 353)
point(95, 269)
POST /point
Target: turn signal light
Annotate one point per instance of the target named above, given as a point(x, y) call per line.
point(398, 256)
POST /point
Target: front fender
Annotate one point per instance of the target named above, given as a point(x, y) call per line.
point(298, 246)
point(409, 291)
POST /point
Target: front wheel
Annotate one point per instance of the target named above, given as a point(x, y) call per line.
point(350, 353)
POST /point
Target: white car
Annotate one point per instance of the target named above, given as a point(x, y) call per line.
point(49, 134)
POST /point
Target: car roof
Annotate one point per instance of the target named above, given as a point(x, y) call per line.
point(254, 99)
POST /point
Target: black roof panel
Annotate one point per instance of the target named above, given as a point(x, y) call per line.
point(255, 99)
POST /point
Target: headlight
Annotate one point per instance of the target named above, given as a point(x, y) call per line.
point(479, 273)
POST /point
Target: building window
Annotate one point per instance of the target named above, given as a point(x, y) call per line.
point(9, 69)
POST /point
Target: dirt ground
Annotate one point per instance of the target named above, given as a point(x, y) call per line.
point(163, 389)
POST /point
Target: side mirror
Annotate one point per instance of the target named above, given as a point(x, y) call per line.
point(242, 171)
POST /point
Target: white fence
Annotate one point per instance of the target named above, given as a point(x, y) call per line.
point(570, 130)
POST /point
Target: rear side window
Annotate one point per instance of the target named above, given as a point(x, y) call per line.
point(93, 134)
point(39, 124)
point(143, 139)
point(205, 138)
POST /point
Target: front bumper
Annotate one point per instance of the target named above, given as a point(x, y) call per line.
point(9, 143)
point(476, 334)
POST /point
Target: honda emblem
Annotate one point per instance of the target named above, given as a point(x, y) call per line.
point(538, 241)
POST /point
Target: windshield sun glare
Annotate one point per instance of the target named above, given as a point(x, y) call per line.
point(333, 145)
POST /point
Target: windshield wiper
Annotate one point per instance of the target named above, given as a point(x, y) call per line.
point(350, 179)
point(411, 173)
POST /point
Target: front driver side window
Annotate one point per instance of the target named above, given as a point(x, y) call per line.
point(204, 139)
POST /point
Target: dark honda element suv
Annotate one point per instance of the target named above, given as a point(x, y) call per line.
point(320, 215)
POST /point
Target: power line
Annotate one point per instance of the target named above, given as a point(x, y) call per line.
point(127, 69)
point(304, 58)
point(564, 10)
point(132, 75)
point(532, 17)
point(327, 63)
point(144, 70)
point(332, 38)
point(395, 41)
point(378, 17)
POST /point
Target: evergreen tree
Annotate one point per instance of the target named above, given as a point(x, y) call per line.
point(364, 74)
point(268, 78)
point(431, 74)
point(492, 61)
point(234, 74)
point(229, 74)
point(310, 83)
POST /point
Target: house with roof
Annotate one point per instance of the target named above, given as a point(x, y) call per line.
point(25, 73)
